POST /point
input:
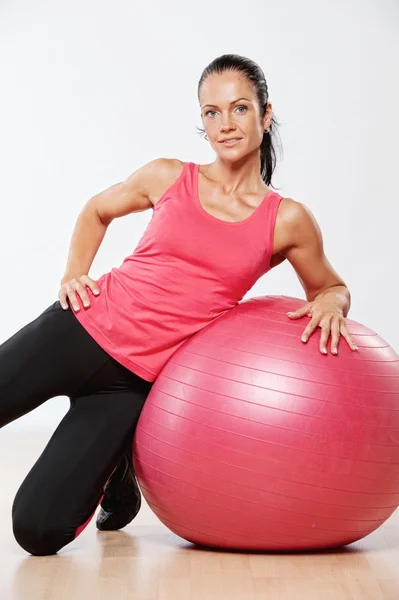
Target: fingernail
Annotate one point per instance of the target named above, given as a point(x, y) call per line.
point(304, 338)
point(76, 307)
point(334, 351)
point(96, 292)
point(324, 351)
point(356, 347)
point(86, 303)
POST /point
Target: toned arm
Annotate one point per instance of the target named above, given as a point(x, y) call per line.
point(301, 244)
point(137, 193)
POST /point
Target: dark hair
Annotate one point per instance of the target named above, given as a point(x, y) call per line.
point(254, 74)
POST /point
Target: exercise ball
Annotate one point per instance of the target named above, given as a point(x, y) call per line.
point(252, 440)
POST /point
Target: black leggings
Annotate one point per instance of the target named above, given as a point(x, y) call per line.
point(55, 356)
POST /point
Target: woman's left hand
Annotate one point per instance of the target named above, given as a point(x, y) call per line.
point(324, 313)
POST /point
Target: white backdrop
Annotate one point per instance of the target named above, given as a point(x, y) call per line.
point(91, 90)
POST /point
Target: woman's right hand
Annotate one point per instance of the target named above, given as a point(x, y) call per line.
point(77, 286)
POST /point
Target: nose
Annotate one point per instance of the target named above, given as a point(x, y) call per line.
point(226, 123)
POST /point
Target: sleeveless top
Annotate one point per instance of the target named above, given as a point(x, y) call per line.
point(187, 269)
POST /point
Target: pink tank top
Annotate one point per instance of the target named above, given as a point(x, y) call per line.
point(188, 268)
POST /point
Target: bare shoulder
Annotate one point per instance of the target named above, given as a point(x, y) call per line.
point(139, 191)
point(291, 211)
point(159, 175)
point(294, 220)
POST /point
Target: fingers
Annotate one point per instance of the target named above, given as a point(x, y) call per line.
point(70, 290)
point(346, 335)
point(91, 284)
point(63, 298)
point(330, 325)
point(325, 334)
point(335, 335)
point(301, 312)
point(325, 324)
point(81, 289)
point(75, 289)
point(311, 327)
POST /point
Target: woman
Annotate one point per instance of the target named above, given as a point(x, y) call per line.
point(214, 231)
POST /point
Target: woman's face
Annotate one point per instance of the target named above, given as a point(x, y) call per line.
point(230, 111)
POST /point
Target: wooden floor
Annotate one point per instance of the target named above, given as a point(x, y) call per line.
point(147, 562)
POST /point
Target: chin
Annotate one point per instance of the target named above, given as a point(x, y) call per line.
point(232, 154)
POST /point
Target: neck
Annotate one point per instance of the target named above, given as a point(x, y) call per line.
point(238, 176)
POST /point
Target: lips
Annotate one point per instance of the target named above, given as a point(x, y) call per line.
point(230, 141)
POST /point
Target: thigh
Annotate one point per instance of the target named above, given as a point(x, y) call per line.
point(51, 356)
point(63, 489)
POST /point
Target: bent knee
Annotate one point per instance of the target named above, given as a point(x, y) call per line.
point(38, 539)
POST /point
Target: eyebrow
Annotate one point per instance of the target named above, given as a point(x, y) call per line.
point(233, 102)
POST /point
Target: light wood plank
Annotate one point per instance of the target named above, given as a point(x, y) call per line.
point(148, 562)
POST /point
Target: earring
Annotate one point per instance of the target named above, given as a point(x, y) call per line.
point(267, 130)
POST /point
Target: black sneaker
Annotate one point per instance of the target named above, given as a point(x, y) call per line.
point(122, 498)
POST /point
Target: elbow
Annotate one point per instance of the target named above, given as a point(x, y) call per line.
point(93, 209)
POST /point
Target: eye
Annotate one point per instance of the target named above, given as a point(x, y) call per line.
point(211, 113)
